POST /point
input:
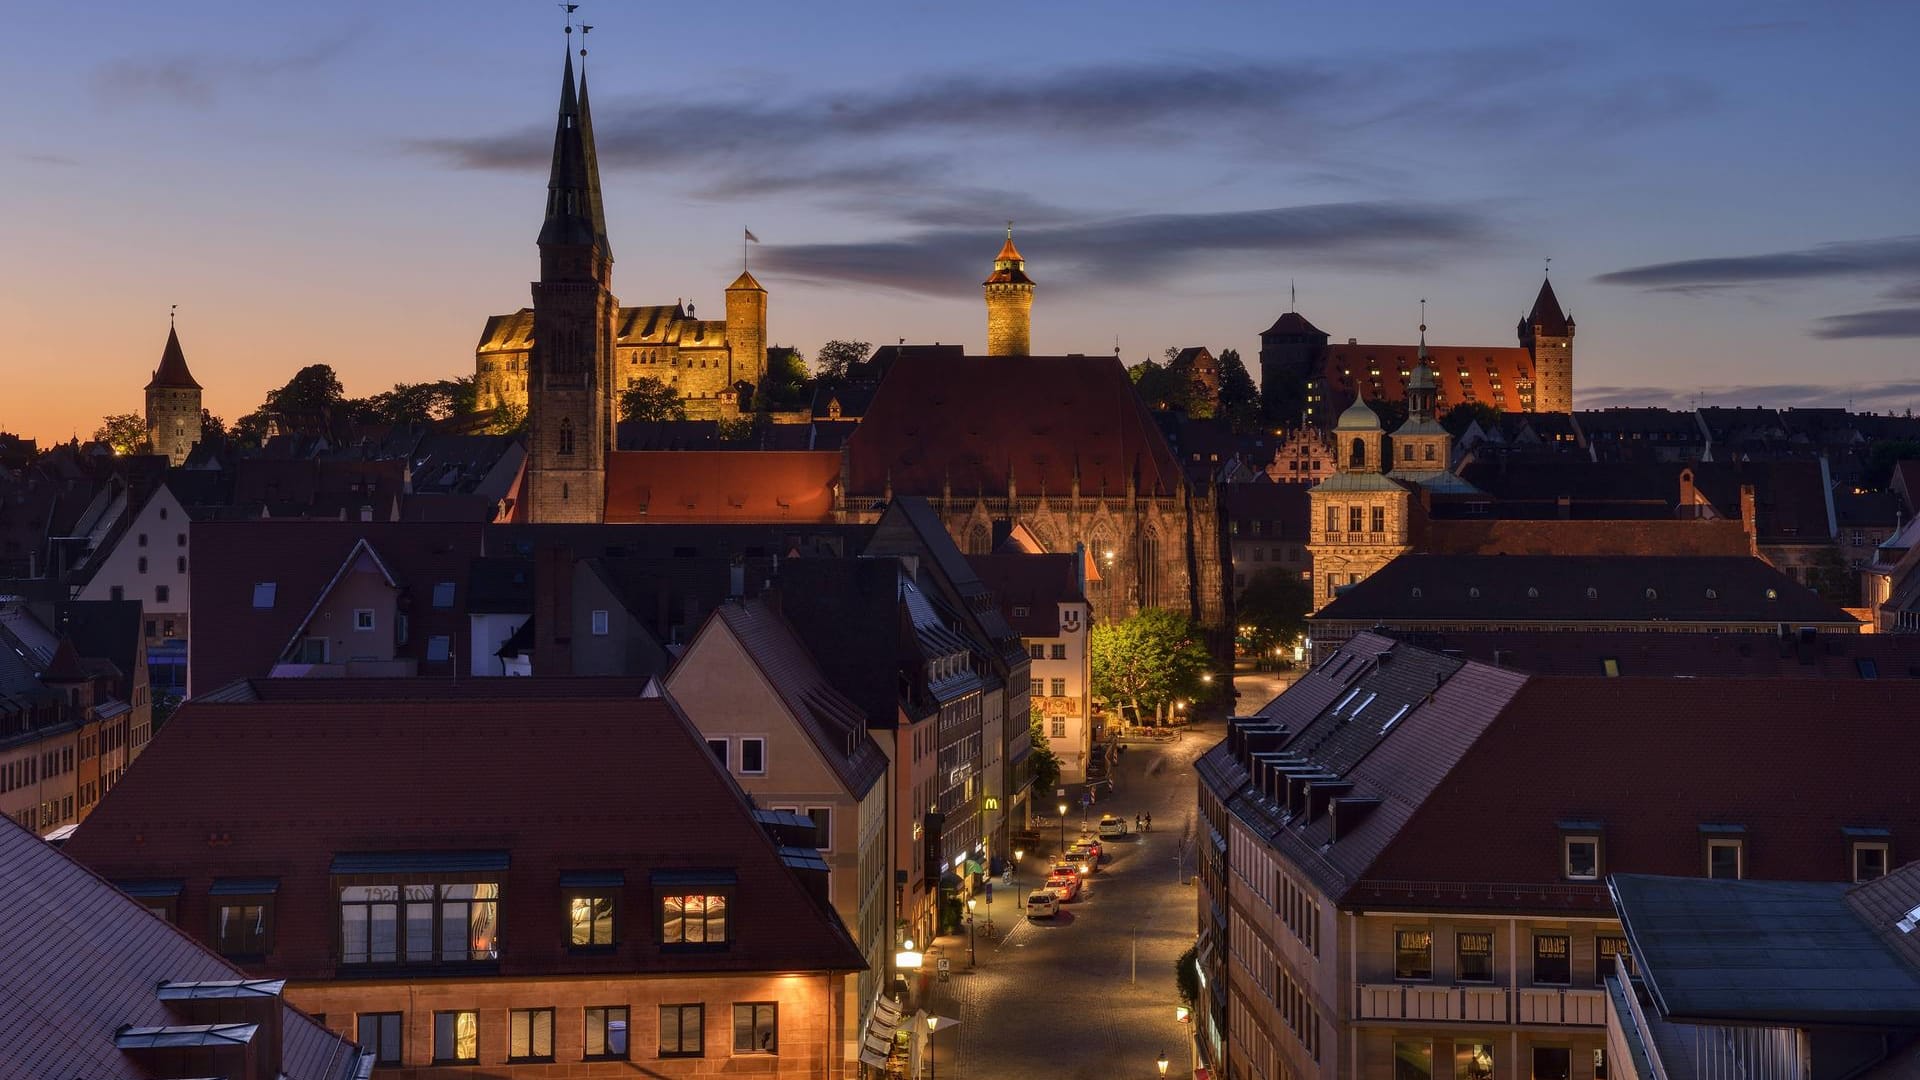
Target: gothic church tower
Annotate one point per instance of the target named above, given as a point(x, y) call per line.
point(570, 386)
point(1009, 303)
point(1547, 333)
point(173, 405)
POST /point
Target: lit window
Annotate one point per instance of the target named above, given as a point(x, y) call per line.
point(1472, 1060)
point(1412, 1060)
point(590, 920)
point(694, 919)
point(456, 1037)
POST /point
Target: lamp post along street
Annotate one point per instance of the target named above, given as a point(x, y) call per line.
point(970, 904)
point(1063, 830)
point(933, 1025)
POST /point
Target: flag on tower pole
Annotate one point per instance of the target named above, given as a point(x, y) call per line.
point(750, 235)
point(750, 238)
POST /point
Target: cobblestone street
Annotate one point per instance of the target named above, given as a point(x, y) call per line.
point(1060, 999)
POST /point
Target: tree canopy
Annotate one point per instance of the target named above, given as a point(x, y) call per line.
point(785, 385)
point(651, 400)
point(1239, 397)
point(836, 358)
point(1273, 610)
point(1463, 415)
point(1147, 662)
point(1042, 763)
point(126, 433)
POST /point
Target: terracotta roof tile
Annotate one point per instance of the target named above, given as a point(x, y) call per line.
point(940, 419)
point(721, 486)
point(642, 794)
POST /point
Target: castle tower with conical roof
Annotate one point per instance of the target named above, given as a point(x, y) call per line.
point(173, 404)
point(1009, 303)
point(570, 367)
point(1547, 333)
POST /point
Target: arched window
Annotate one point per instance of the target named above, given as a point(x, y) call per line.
point(1358, 456)
point(979, 540)
point(566, 436)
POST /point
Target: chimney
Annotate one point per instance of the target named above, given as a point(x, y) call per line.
point(1750, 517)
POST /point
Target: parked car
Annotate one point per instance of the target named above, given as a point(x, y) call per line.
point(1113, 825)
point(1065, 869)
point(1064, 886)
point(1086, 856)
point(1042, 904)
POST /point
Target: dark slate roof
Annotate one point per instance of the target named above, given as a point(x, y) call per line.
point(1293, 323)
point(1585, 652)
point(1546, 313)
point(1034, 584)
point(172, 373)
point(848, 614)
point(940, 418)
point(1888, 903)
point(1418, 743)
point(1556, 588)
point(1762, 952)
point(412, 768)
point(84, 960)
point(832, 722)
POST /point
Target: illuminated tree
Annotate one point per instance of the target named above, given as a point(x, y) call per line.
point(126, 433)
point(650, 399)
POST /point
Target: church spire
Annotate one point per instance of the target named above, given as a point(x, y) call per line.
point(574, 213)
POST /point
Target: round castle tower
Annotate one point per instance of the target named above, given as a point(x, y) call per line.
point(1009, 303)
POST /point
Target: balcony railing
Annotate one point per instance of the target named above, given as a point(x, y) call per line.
point(1482, 1004)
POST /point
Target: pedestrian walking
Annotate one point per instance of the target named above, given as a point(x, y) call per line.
point(1149, 822)
point(1136, 823)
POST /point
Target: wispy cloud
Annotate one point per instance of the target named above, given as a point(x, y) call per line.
point(1890, 256)
point(1900, 322)
point(946, 261)
point(60, 161)
point(197, 80)
point(1874, 397)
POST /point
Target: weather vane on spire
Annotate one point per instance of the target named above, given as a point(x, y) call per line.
point(1423, 315)
point(1009, 228)
point(172, 310)
point(1550, 266)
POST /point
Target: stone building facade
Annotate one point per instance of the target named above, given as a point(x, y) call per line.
point(1009, 303)
point(173, 405)
point(710, 362)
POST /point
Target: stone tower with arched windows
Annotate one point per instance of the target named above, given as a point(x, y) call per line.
point(570, 366)
point(1361, 518)
point(173, 405)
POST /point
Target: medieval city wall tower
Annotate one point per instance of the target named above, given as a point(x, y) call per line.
point(570, 369)
point(747, 330)
point(1547, 333)
point(173, 405)
point(1009, 303)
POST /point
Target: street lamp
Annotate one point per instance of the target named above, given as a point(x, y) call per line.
point(933, 1025)
point(970, 904)
point(1063, 830)
point(1162, 1063)
point(1017, 853)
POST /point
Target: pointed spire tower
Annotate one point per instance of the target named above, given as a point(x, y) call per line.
point(1547, 333)
point(570, 391)
point(173, 403)
point(1009, 303)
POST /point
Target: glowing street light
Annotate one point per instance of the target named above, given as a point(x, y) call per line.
point(1162, 1063)
point(907, 959)
point(971, 901)
point(1063, 828)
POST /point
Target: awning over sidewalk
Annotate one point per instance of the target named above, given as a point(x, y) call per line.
point(876, 1043)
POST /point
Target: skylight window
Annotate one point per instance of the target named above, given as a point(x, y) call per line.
point(1362, 707)
point(1351, 694)
point(1398, 715)
point(263, 593)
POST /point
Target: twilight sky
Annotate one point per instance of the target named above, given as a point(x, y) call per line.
point(1727, 190)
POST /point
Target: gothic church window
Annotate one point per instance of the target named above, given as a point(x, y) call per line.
point(566, 436)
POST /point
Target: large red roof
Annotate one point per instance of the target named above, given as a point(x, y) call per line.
point(651, 486)
point(1490, 375)
point(941, 418)
point(560, 785)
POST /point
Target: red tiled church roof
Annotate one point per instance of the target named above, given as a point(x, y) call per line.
point(651, 486)
point(942, 418)
point(561, 784)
